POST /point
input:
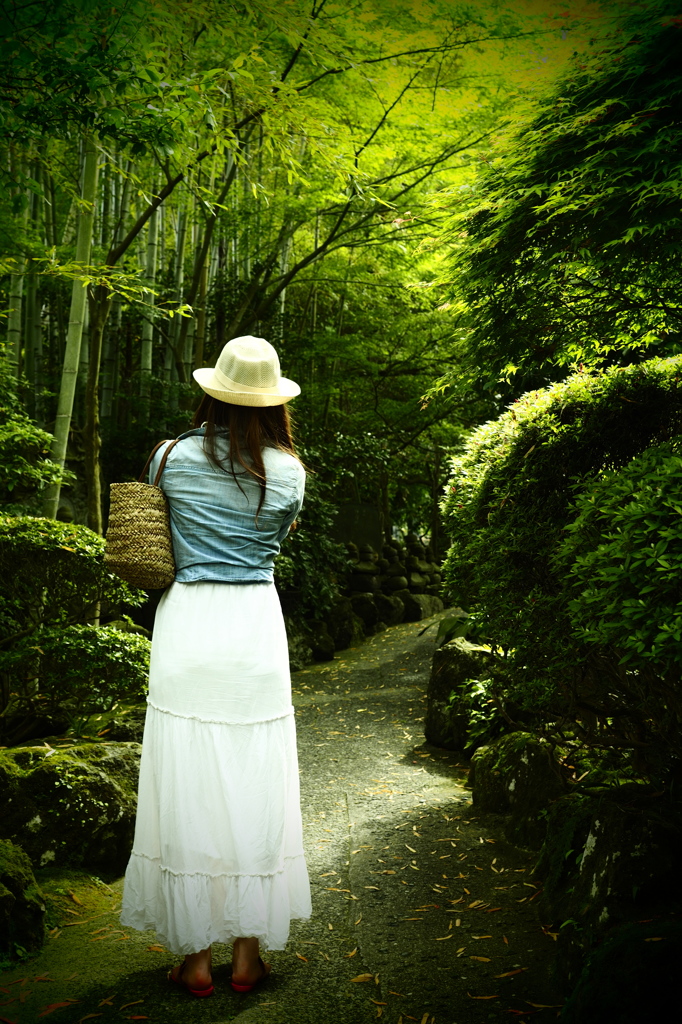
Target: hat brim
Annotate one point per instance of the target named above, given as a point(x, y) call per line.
point(284, 392)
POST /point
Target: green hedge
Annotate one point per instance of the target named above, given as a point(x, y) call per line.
point(75, 672)
point(530, 555)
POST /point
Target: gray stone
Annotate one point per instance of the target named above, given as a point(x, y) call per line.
point(421, 606)
point(362, 583)
point(341, 624)
point(321, 642)
point(396, 568)
point(396, 583)
point(518, 775)
point(453, 665)
point(365, 607)
point(72, 807)
point(417, 583)
point(298, 642)
point(22, 907)
point(391, 609)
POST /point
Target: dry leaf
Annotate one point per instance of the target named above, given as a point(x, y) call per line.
point(481, 997)
point(545, 1006)
point(156, 949)
point(352, 953)
point(56, 1006)
point(370, 887)
point(302, 957)
point(483, 959)
point(481, 936)
point(376, 1002)
point(330, 927)
point(508, 974)
point(363, 977)
point(126, 1005)
point(654, 938)
point(359, 920)
point(442, 938)
point(75, 898)
point(505, 940)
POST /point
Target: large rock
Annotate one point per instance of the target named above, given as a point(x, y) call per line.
point(298, 642)
point(365, 607)
point(519, 776)
point(22, 908)
point(420, 606)
point(71, 807)
point(453, 665)
point(391, 609)
point(607, 860)
point(345, 628)
point(322, 644)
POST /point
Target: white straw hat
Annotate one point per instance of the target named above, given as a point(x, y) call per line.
point(247, 373)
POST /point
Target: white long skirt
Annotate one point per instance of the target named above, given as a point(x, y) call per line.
point(218, 850)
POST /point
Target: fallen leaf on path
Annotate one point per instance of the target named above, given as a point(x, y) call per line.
point(377, 1003)
point(75, 898)
point(545, 1006)
point(481, 936)
point(363, 977)
point(135, 1003)
point(89, 1016)
point(6, 1020)
point(505, 940)
point(108, 1001)
point(56, 1006)
point(483, 959)
point(372, 886)
point(359, 920)
point(156, 949)
point(352, 953)
point(654, 938)
point(302, 957)
point(481, 997)
point(396, 994)
point(508, 974)
point(442, 938)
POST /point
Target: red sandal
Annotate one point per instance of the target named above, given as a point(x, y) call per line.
point(200, 993)
point(265, 971)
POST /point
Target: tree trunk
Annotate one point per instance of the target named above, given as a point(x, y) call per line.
point(75, 330)
point(148, 322)
point(100, 303)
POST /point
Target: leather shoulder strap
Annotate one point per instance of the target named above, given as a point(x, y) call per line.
point(163, 461)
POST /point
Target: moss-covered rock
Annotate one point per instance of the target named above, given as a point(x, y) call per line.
point(73, 807)
point(517, 775)
point(607, 859)
point(420, 606)
point(22, 905)
point(453, 664)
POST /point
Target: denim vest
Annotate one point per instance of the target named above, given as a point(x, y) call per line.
point(213, 516)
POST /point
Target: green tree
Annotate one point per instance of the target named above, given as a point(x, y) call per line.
point(571, 251)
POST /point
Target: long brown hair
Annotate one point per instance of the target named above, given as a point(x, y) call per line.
point(251, 428)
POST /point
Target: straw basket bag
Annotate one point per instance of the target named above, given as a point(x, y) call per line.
point(138, 541)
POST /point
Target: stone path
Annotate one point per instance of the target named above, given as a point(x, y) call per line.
point(422, 911)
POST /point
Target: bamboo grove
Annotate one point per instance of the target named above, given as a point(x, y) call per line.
point(176, 174)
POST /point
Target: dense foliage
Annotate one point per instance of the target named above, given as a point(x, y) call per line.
point(552, 604)
point(571, 252)
point(65, 675)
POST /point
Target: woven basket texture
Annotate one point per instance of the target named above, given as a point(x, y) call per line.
point(139, 547)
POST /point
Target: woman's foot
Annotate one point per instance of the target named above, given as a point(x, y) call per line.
point(195, 973)
point(248, 970)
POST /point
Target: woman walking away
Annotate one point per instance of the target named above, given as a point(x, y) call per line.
point(218, 852)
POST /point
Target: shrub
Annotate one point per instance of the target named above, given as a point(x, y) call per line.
point(509, 504)
point(75, 672)
point(52, 573)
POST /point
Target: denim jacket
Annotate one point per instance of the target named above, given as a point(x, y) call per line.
point(213, 518)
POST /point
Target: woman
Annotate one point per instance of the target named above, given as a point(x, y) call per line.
point(218, 854)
